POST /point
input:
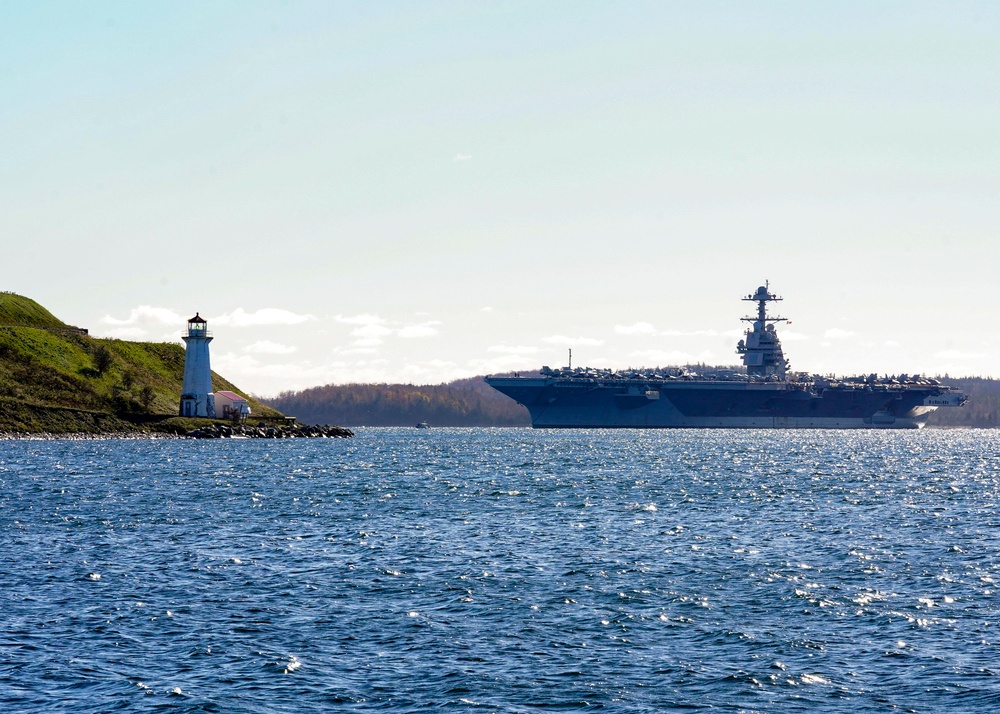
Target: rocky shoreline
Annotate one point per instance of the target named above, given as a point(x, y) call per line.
point(214, 431)
point(84, 436)
point(269, 431)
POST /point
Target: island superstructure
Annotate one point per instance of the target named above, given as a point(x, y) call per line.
point(764, 393)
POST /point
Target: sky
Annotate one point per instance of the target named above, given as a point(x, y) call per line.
point(425, 191)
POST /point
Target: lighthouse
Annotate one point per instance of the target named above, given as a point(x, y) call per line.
point(196, 395)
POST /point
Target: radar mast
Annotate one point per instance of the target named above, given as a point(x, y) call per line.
point(761, 350)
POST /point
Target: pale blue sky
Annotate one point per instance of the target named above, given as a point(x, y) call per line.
point(424, 191)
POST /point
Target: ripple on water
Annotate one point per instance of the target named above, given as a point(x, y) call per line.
point(507, 570)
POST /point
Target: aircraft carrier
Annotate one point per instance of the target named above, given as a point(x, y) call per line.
point(764, 393)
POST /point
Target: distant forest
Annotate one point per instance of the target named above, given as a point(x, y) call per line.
point(465, 402)
point(983, 409)
point(471, 402)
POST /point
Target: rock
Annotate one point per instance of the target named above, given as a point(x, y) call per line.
point(270, 431)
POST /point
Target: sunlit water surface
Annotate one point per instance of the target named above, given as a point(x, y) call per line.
point(503, 570)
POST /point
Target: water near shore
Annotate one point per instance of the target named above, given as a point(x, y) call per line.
point(503, 570)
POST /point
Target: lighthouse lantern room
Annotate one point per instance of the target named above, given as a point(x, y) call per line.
point(196, 395)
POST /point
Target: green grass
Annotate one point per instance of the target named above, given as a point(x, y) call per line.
point(19, 311)
point(51, 381)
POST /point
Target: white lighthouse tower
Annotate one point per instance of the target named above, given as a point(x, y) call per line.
point(196, 395)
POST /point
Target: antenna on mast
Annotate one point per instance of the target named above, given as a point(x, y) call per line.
point(761, 350)
point(571, 358)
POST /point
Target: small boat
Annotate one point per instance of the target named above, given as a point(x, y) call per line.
point(423, 425)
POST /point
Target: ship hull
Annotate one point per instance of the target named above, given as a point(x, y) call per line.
point(570, 404)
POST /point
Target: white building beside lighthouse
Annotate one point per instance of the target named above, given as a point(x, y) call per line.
point(196, 394)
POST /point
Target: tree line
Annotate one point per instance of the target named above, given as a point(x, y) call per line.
point(465, 402)
point(983, 409)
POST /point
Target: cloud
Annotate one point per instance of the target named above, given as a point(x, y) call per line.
point(148, 315)
point(355, 349)
point(363, 319)
point(373, 326)
point(698, 333)
point(425, 330)
point(835, 333)
point(265, 316)
point(513, 350)
point(147, 320)
point(500, 363)
point(639, 328)
point(371, 330)
point(368, 342)
point(664, 357)
point(957, 354)
point(573, 341)
point(276, 376)
point(266, 347)
point(646, 329)
point(127, 333)
point(462, 157)
point(788, 336)
point(429, 370)
point(144, 322)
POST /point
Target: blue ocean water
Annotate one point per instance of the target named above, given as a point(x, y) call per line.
point(503, 570)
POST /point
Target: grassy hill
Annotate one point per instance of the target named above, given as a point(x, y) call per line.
point(19, 311)
point(55, 378)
